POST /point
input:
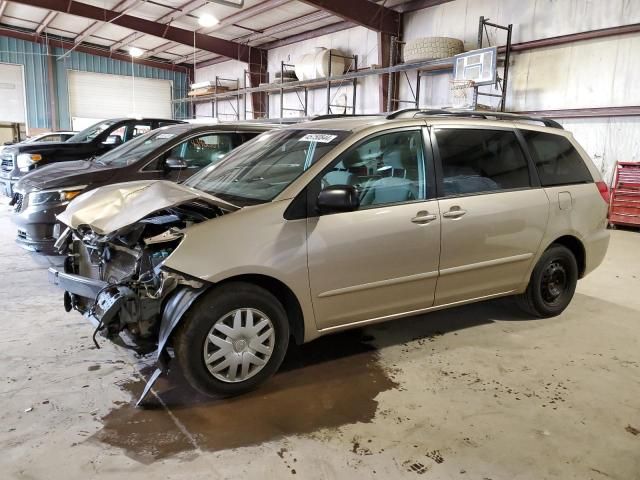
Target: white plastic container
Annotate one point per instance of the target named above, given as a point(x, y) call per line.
point(316, 65)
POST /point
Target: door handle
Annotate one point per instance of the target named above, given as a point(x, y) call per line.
point(423, 217)
point(454, 212)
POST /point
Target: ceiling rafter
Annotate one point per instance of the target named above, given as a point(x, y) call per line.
point(123, 6)
point(54, 42)
point(46, 21)
point(232, 19)
point(184, 10)
point(3, 7)
point(270, 32)
point(362, 12)
point(219, 46)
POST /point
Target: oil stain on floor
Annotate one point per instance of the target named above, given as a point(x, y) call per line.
point(330, 382)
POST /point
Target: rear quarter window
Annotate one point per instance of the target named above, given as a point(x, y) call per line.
point(556, 159)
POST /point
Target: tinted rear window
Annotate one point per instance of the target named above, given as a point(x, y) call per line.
point(478, 160)
point(557, 161)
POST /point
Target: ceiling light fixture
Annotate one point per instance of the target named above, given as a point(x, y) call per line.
point(135, 52)
point(207, 20)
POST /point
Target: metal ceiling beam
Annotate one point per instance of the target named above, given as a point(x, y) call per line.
point(184, 10)
point(123, 6)
point(232, 19)
point(362, 12)
point(159, 49)
point(418, 5)
point(3, 7)
point(189, 58)
point(300, 37)
point(45, 23)
point(67, 45)
point(282, 27)
point(220, 46)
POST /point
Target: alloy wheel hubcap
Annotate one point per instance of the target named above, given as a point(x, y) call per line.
point(554, 281)
point(239, 345)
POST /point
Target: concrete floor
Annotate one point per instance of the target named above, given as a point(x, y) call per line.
point(477, 392)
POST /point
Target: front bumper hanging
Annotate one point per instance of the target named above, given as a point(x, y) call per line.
point(109, 305)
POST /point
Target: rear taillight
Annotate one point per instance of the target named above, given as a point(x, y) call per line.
point(604, 191)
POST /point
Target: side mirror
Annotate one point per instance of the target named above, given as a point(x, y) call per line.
point(338, 198)
point(175, 164)
point(113, 140)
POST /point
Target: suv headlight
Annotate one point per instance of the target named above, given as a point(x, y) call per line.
point(25, 160)
point(55, 196)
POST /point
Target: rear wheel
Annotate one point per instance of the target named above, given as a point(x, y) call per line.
point(552, 284)
point(232, 340)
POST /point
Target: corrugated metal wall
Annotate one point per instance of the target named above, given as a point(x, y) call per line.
point(33, 57)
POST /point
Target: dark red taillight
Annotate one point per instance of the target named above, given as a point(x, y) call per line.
point(604, 191)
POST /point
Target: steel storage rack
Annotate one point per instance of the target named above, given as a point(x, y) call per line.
point(412, 72)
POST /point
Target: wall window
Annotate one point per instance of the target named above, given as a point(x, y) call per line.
point(557, 161)
point(478, 160)
point(385, 169)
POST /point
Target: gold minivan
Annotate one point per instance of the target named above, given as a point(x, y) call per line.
point(331, 224)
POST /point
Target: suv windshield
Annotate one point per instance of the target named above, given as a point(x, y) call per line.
point(260, 169)
point(91, 132)
point(134, 150)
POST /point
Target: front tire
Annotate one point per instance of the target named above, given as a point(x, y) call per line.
point(232, 340)
point(552, 283)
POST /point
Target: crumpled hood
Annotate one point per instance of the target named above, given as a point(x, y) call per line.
point(110, 208)
point(64, 174)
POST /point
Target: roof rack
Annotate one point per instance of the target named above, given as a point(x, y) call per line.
point(342, 115)
point(487, 115)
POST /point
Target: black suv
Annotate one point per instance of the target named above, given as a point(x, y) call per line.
point(20, 159)
point(169, 153)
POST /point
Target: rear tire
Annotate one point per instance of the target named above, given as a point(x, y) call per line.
point(232, 340)
point(552, 283)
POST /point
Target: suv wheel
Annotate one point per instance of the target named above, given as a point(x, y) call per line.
point(552, 284)
point(232, 340)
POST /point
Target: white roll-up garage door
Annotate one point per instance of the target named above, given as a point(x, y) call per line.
point(12, 107)
point(102, 96)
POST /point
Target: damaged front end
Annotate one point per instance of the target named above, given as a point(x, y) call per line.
point(113, 271)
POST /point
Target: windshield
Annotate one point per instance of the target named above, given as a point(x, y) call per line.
point(134, 150)
point(92, 132)
point(260, 169)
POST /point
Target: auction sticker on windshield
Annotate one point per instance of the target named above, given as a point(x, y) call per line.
point(318, 137)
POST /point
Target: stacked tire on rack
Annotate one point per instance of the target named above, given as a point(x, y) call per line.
point(432, 48)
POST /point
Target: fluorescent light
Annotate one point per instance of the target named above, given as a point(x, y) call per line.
point(135, 51)
point(207, 20)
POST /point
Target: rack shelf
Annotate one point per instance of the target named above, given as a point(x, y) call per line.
point(418, 70)
point(444, 64)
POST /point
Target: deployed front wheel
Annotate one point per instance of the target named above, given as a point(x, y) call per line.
point(234, 338)
point(552, 284)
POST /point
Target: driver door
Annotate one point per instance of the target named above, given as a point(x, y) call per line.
point(381, 260)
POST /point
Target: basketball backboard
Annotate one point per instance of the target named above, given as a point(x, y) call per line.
point(476, 65)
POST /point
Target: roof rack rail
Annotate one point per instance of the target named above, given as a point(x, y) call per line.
point(487, 115)
point(341, 115)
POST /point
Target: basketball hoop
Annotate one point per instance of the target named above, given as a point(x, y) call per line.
point(461, 93)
